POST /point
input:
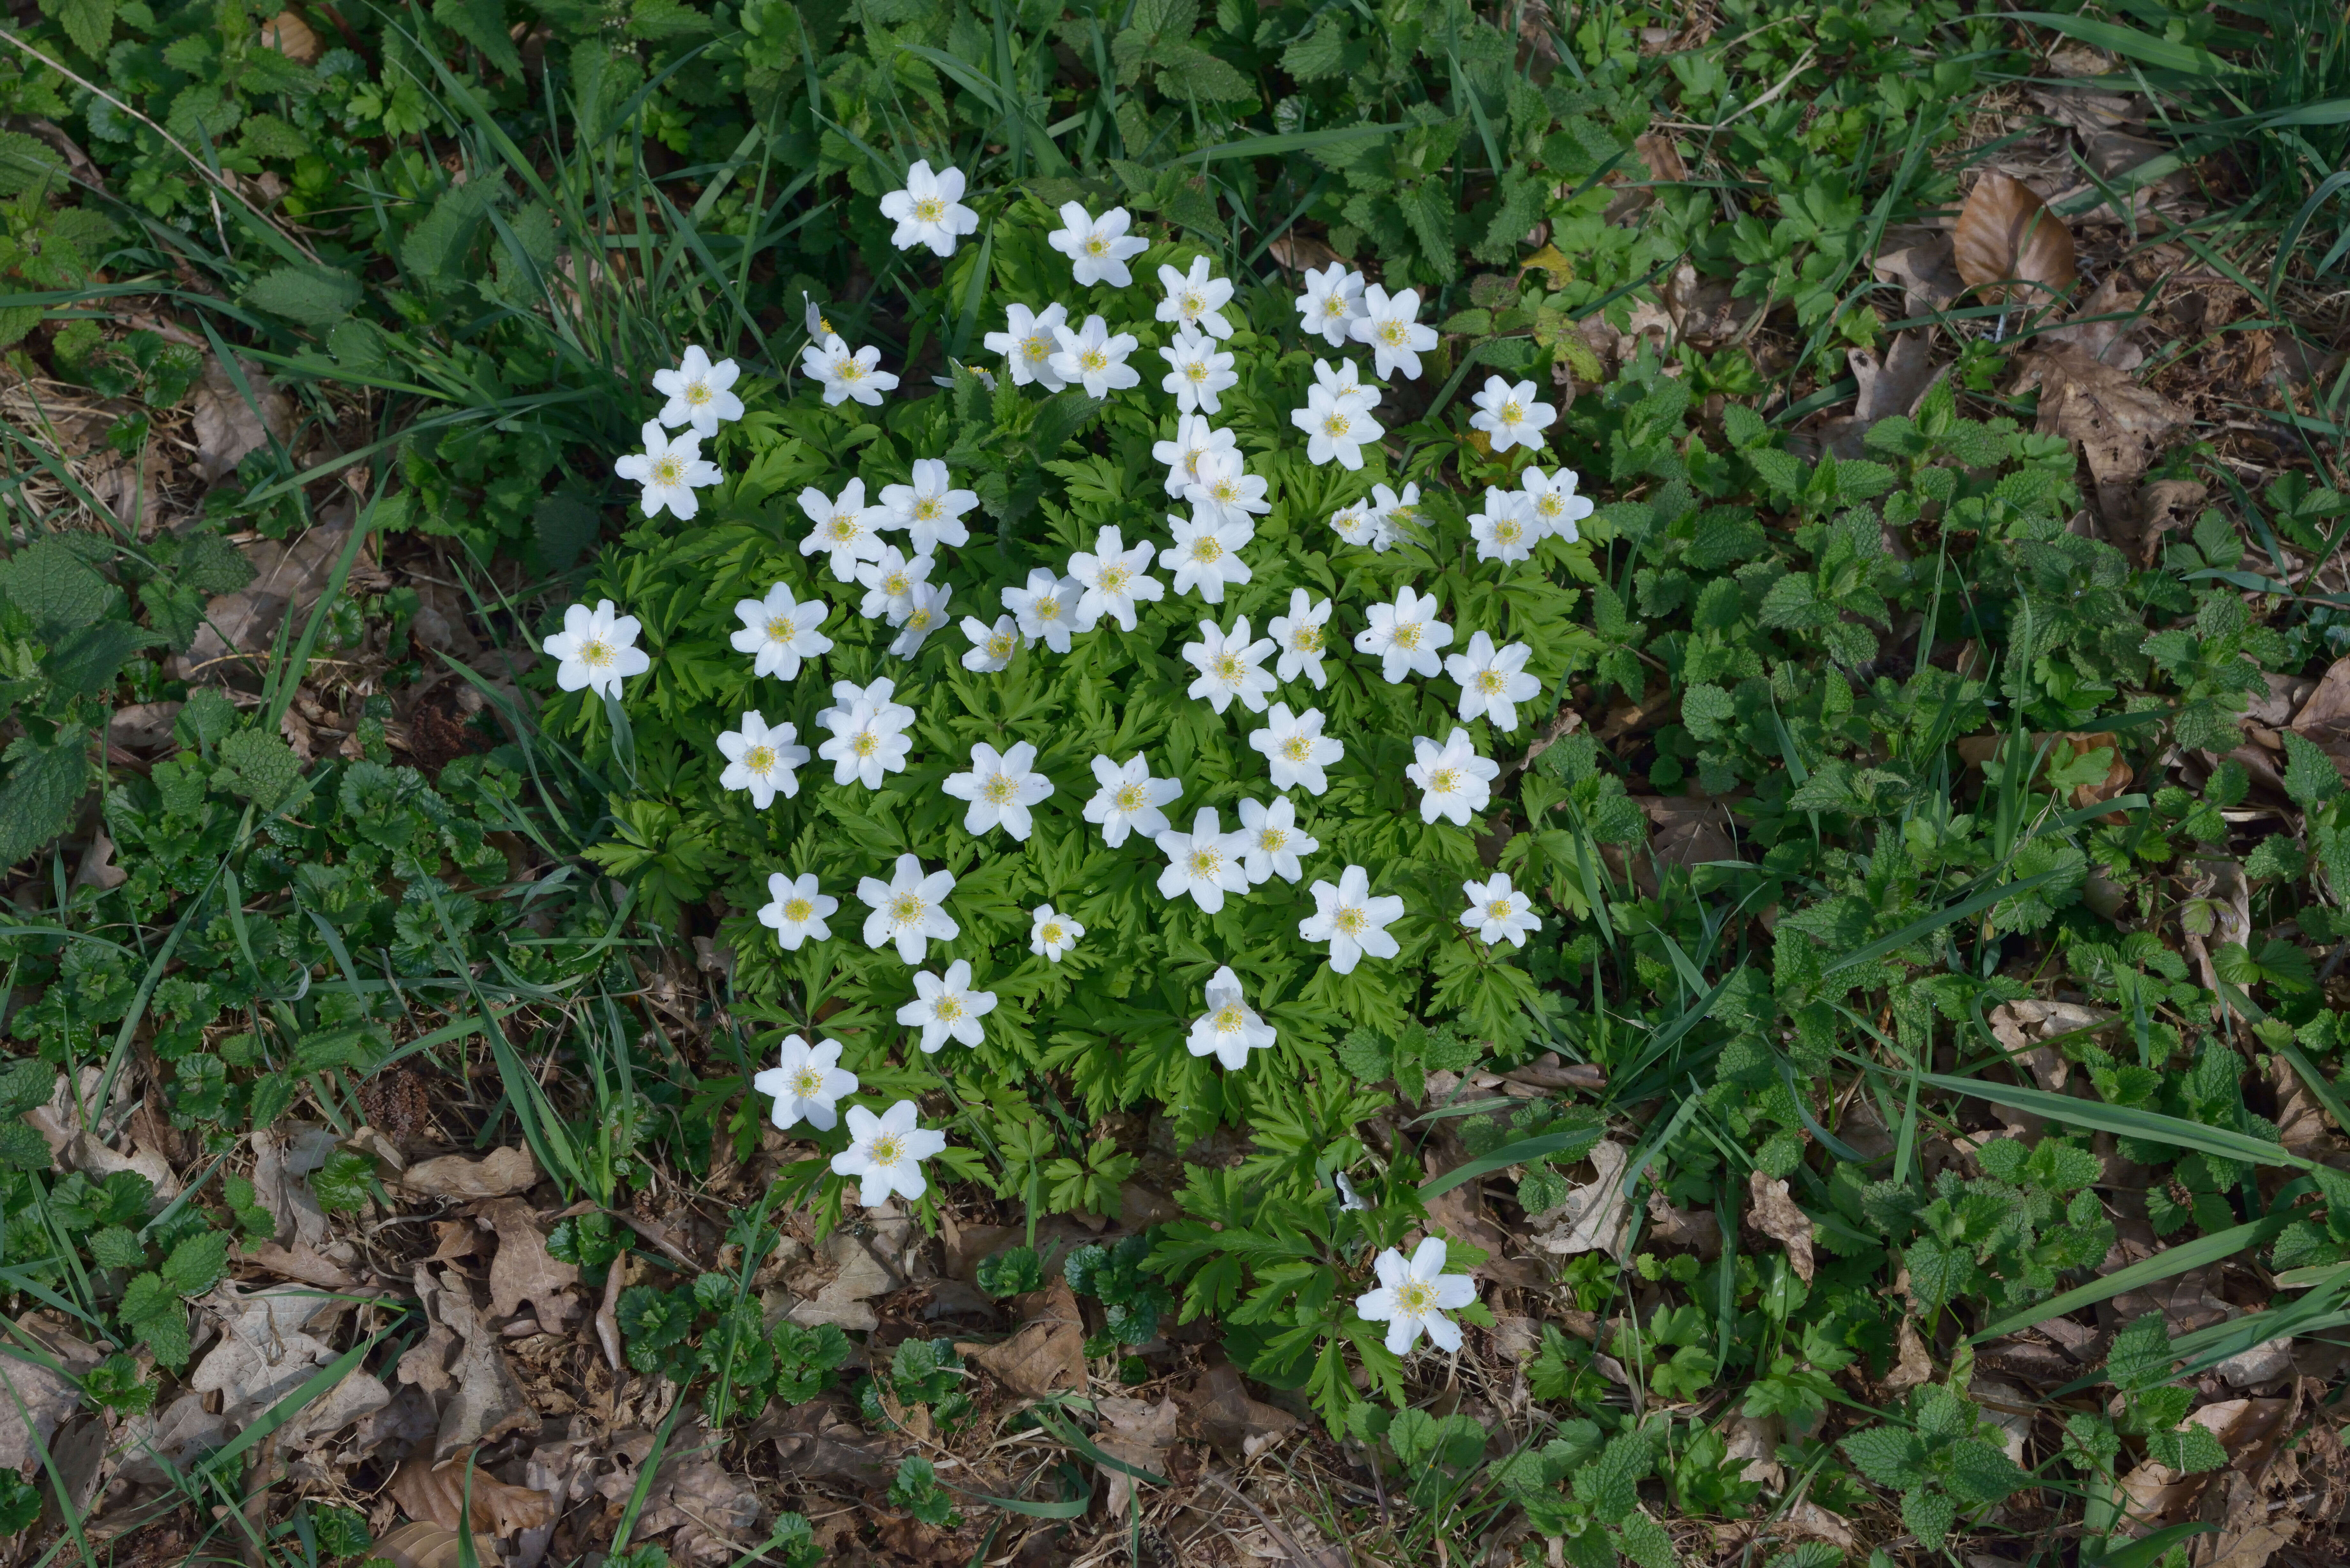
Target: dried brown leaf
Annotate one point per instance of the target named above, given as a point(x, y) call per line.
point(1221, 1411)
point(437, 1494)
point(1048, 1355)
point(2010, 246)
point(291, 37)
point(497, 1174)
point(42, 1399)
point(524, 1271)
point(1776, 1215)
point(2121, 426)
point(421, 1545)
point(1596, 1217)
point(1138, 1433)
point(1913, 1367)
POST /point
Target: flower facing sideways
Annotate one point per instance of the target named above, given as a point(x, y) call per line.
point(1511, 415)
point(1129, 800)
point(1414, 1296)
point(699, 393)
point(761, 760)
point(886, 1152)
point(929, 210)
point(1296, 750)
point(1229, 1030)
point(992, 646)
point(1098, 248)
point(1229, 666)
point(1455, 780)
point(1301, 637)
point(779, 631)
point(1332, 300)
point(795, 911)
point(1052, 933)
point(1498, 912)
point(924, 616)
point(1405, 636)
point(1358, 523)
point(1195, 439)
point(1000, 786)
point(1028, 343)
point(908, 909)
point(1397, 515)
point(1206, 862)
point(806, 1084)
point(1493, 681)
point(1095, 357)
point(597, 649)
point(947, 1009)
point(1352, 921)
point(1275, 840)
point(670, 470)
point(1195, 300)
point(846, 373)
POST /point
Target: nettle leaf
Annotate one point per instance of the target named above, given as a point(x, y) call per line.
point(1929, 1515)
point(197, 1263)
point(1889, 1456)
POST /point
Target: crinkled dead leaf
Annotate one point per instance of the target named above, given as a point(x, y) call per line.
point(461, 1366)
point(1139, 1434)
point(439, 1493)
point(1220, 1411)
point(420, 1545)
point(1776, 1214)
point(1597, 1215)
point(2156, 1495)
point(715, 1514)
point(524, 1271)
point(1047, 1356)
point(42, 1399)
point(2122, 427)
point(227, 425)
point(820, 1440)
point(2010, 246)
point(497, 1174)
point(1694, 1231)
point(1913, 1367)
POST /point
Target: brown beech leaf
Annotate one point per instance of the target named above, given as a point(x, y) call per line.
point(439, 1495)
point(1777, 1215)
point(496, 1174)
point(2010, 246)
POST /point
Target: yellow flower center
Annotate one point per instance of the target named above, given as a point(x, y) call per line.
point(1306, 640)
point(1336, 425)
point(886, 1150)
point(1351, 922)
point(1228, 667)
point(1444, 781)
point(927, 508)
point(760, 759)
point(797, 910)
point(598, 654)
point(1407, 634)
point(1206, 548)
point(1489, 680)
point(1405, 513)
point(929, 210)
point(949, 1008)
point(918, 621)
point(1115, 579)
point(1271, 840)
point(999, 645)
point(850, 371)
point(894, 584)
point(1048, 610)
point(1507, 530)
point(1038, 348)
point(1096, 246)
point(906, 908)
point(1192, 306)
point(1092, 360)
point(1415, 1298)
point(779, 628)
point(1549, 504)
point(844, 527)
point(1498, 909)
point(1052, 933)
point(1513, 412)
point(1131, 798)
point(1296, 747)
point(697, 393)
point(1207, 862)
point(866, 743)
point(807, 1083)
point(668, 470)
point(1229, 1018)
point(1391, 334)
point(1197, 371)
point(1334, 305)
point(1000, 789)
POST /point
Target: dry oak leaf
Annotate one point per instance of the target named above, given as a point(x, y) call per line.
point(497, 1174)
point(1048, 1355)
point(1596, 1218)
point(2157, 1495)
point(418, 1545)
point(524, 1271)
point(1221, 1411)
point(437, 1494)
point(1138, 1434)
point(1777, 1215)
point(2121, 426)
point(2010, 246)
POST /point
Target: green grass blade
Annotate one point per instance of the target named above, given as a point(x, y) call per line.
point(2128, 42)
point(2202, 1253)
point(1572, 1143)
point(2125, 1121)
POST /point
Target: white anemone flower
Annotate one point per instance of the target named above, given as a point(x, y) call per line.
point(1506, 531)
point(929, 210)
point(1512, 416)
point(796, 911)
point(1493, 681)
point(1498, 912)
point(844, 372)
point(1114, 577)
point(908, 909)
point(992, 646)
point(1274, 839)
point(1047, 608)
point(1397, 515)
point(1206, 555)
point(1129, 800)
point(1296, 750)
point(1335, 426)
point(1229, 1030)
point(1000, 786)
point(889, 584)
point(1051, 933)
point(1390, 326)
point(844, 528)
point(947, 1009)
point(806, 1084)
point(1229, 666)
point(761, 760)
point(1206, 862)
point(868, 736)
point(1199, 374)
point(1195, 300)
point(1028, 343)
point(699, 393)
point(597, 649)
point(1557, 506)
point(1226, 492)
point(779, 631)
point(1195, 439)
point(1344, 382)
point(1415, 1296)
point(1457, 781)
point(1099, 248)
point(1352, 921)
point(671, 468)
point(1358, 523)
point(1331, 302)
point(1095, 357)
point(1301, 637)
point(925, 615)
point(885, 1153)
point(1405, 636)
point(931, 509)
